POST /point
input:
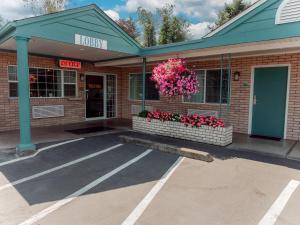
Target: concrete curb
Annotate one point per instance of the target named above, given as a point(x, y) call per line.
point(186, 152)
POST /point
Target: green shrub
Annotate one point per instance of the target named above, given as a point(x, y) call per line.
point(176, 117)
point(144, 114)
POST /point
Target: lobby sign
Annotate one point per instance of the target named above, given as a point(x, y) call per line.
point(90, 41)
point(69, 64)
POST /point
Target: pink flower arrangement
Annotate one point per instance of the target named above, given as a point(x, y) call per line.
point(198, 121)
point(189, 120)
point(162, 116)
point(173, 78)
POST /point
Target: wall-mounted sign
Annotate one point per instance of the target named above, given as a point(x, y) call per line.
point(90, 41)
point(69, 64)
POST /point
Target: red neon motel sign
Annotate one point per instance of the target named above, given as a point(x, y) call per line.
point(69, 64)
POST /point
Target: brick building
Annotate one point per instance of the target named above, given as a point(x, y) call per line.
point(78, 65)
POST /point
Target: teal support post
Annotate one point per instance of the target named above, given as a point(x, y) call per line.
point(221, 85)
point(144, 84)
point(25, 145)
point(229, 87)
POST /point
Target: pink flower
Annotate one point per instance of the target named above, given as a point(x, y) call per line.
point(173, 78)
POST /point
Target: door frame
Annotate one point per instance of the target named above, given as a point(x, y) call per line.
point(252, 93)
point(104, 95)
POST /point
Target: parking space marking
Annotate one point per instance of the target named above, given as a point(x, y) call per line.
point(83, 190)
point(59, 167)
point(39, 151)
point(274, 212)
point(141, 207)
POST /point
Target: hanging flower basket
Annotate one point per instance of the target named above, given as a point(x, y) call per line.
point(173, 78)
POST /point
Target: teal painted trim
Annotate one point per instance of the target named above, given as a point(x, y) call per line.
point(144, 84)
point(23, 88)
point(116, 59)
point(246, 17)
point(7, 32)
point(113, 23)
point(68, 12)
point(46, 26)
point(257, 25)
point(50, 56)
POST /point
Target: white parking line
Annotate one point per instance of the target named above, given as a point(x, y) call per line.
point(59, 167)
point(141, 207)
point(81, 191)
point(39, 151)
point(274, 212)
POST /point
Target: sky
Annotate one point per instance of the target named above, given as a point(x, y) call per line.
point(200, 13)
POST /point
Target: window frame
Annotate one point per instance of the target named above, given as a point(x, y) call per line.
point(48, 68)
point(116, 94)
point(129, 88)
point(204, 103)
point(63, 84)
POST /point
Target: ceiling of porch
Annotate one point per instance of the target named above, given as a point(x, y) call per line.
point(46, 47)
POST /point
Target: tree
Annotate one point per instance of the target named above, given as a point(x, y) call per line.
point(165, 33)
point(129, 26)
point(229, 11)
point(40, 7)
point(146, 19)
point(179, 30)
point(1, 21)
point(173, 28)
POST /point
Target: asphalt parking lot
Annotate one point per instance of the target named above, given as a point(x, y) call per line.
point(100, 181)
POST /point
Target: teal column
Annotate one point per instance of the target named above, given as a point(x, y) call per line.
point(144, 84)
point(221, 85)
point(25, 145)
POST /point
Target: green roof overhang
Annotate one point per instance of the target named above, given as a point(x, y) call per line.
point(257, 25)
point(89, 21)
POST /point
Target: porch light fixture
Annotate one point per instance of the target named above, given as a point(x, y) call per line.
point(236, 76)
point(82, 77)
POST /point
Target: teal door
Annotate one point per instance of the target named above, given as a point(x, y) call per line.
point(269, 101)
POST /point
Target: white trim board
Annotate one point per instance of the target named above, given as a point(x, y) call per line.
point(252, 92)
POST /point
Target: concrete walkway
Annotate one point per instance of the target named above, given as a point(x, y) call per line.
point(9, 139)
point(241, 142)
point(242, 146)
point(264, 146)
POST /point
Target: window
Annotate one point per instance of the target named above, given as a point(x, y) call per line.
point(136, 87)
point(213, 84)
point(69, 83)
point(45, 83)
point(200, 96)
point(209, 90)
point(111, 96)
point(13, 81)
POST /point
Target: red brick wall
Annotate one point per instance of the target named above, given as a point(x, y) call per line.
point(239, 108)
point(74, 107)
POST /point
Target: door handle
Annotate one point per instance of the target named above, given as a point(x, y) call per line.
point(86, 95)
point(254, 100)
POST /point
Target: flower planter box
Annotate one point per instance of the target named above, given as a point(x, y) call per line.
point(205, 134)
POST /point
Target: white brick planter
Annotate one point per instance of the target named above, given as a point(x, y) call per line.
point(205, 134)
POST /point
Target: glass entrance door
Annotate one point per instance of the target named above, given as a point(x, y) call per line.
point(94, 87)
